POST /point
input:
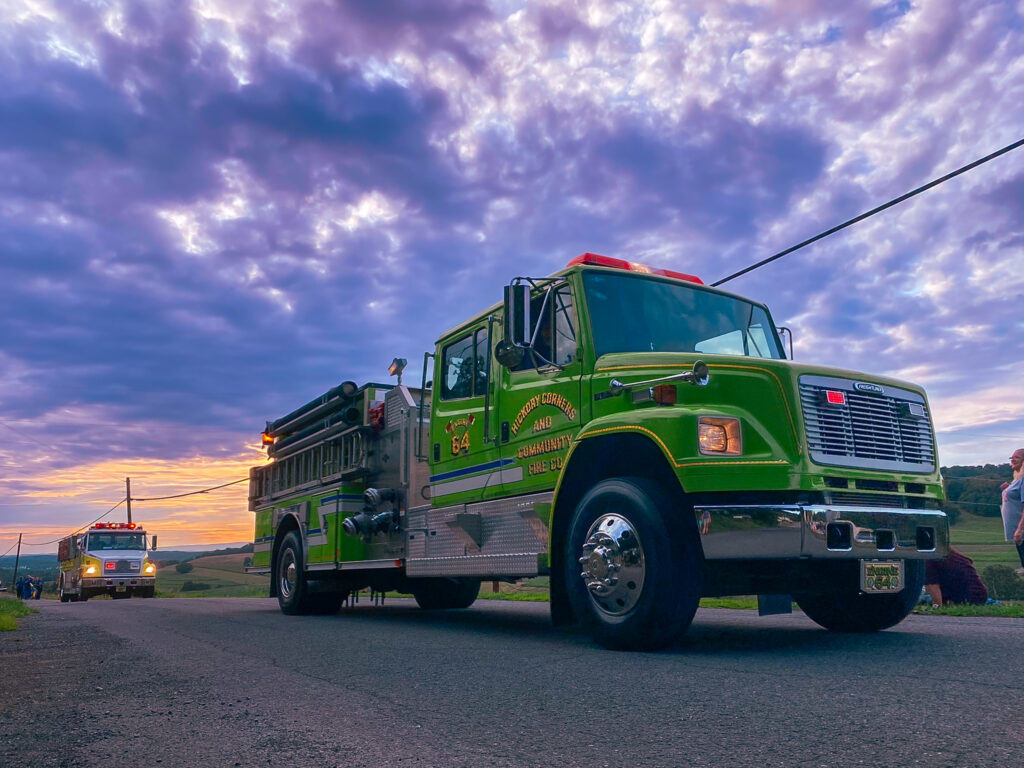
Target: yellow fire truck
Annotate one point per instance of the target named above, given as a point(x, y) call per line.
point(108, 559)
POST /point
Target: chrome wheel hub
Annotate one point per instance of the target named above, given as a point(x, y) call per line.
point(613, 564)
point(289, 575)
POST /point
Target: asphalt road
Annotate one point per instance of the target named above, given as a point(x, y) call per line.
point(233, 682)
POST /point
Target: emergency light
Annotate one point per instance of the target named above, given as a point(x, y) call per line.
point(835, 397)
point(596, 260)
point(115, 526)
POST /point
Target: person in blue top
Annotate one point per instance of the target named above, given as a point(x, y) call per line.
point(1013, 506)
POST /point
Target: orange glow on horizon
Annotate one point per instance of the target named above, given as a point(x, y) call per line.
point(216, 517)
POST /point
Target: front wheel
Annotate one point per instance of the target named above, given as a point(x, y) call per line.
point(633, 569)
point(854, 611)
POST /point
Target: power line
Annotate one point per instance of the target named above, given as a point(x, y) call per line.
point(191, 493)
point(873, 211)
point(54, 541)
point(5, 554)
point(122, 501)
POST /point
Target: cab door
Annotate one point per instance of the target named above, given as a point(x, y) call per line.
point(539, 399)
point(463, 466)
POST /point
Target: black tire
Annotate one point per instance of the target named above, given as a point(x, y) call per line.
point(325, 603)
point(292, 587)
point(632, 597)
point(445, 594)
point(64, 596)
point(147, 592)
point(853, 611)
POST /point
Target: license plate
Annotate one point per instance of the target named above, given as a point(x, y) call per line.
point(881, 575)
point(121, 588)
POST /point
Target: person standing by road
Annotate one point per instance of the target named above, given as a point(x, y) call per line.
point(1013, 506)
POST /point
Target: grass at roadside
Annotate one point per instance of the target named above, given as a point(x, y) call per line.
point(11, 609)
point(1010, 609)
point(530, 597)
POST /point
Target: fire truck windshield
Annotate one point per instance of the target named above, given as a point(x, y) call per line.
point(633, 313)
point(103, 542)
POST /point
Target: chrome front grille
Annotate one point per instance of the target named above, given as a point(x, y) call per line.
point(846, 499)
point(889, 429)
point(122, 566)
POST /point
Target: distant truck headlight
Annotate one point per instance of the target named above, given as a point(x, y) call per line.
point(719, 435)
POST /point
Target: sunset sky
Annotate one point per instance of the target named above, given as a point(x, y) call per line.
point(211, 212)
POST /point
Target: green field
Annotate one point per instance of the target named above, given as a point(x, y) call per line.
point(981, 539)
point(224, 574)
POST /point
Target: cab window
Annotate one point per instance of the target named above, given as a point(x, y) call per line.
point(465, 366)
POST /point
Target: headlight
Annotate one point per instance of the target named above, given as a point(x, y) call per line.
point(90, 570)
point(149, 569)
point(719, 435)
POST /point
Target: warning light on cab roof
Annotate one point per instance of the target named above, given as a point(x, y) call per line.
point(596, 260)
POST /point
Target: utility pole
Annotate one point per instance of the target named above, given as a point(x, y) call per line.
point(128, 496)
point(17, 557)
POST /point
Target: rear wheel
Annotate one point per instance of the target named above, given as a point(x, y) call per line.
point(64, 596)
point(295, 592)
point(445, 594)
point(291, 581)
point(854, 611)
point(632, 569)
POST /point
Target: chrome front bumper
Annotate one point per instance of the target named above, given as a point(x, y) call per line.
point(820, 531)
point(119, 581)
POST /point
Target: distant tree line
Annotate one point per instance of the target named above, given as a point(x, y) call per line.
point(974, 489)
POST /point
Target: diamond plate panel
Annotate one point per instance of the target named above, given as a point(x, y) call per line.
point(523, 564)
point(482, 536)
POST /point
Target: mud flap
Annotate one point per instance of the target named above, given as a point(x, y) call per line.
point(770, 605)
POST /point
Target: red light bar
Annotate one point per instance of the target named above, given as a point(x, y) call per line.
point(114, 526)
point(835, 397)
point(596, 260)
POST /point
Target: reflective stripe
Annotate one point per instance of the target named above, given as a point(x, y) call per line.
point(511, 475)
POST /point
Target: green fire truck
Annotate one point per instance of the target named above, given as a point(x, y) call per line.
point(634, 434)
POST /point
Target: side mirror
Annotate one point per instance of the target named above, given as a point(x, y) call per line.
point(153, 545)
point(517, 315)
point(786, 337)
